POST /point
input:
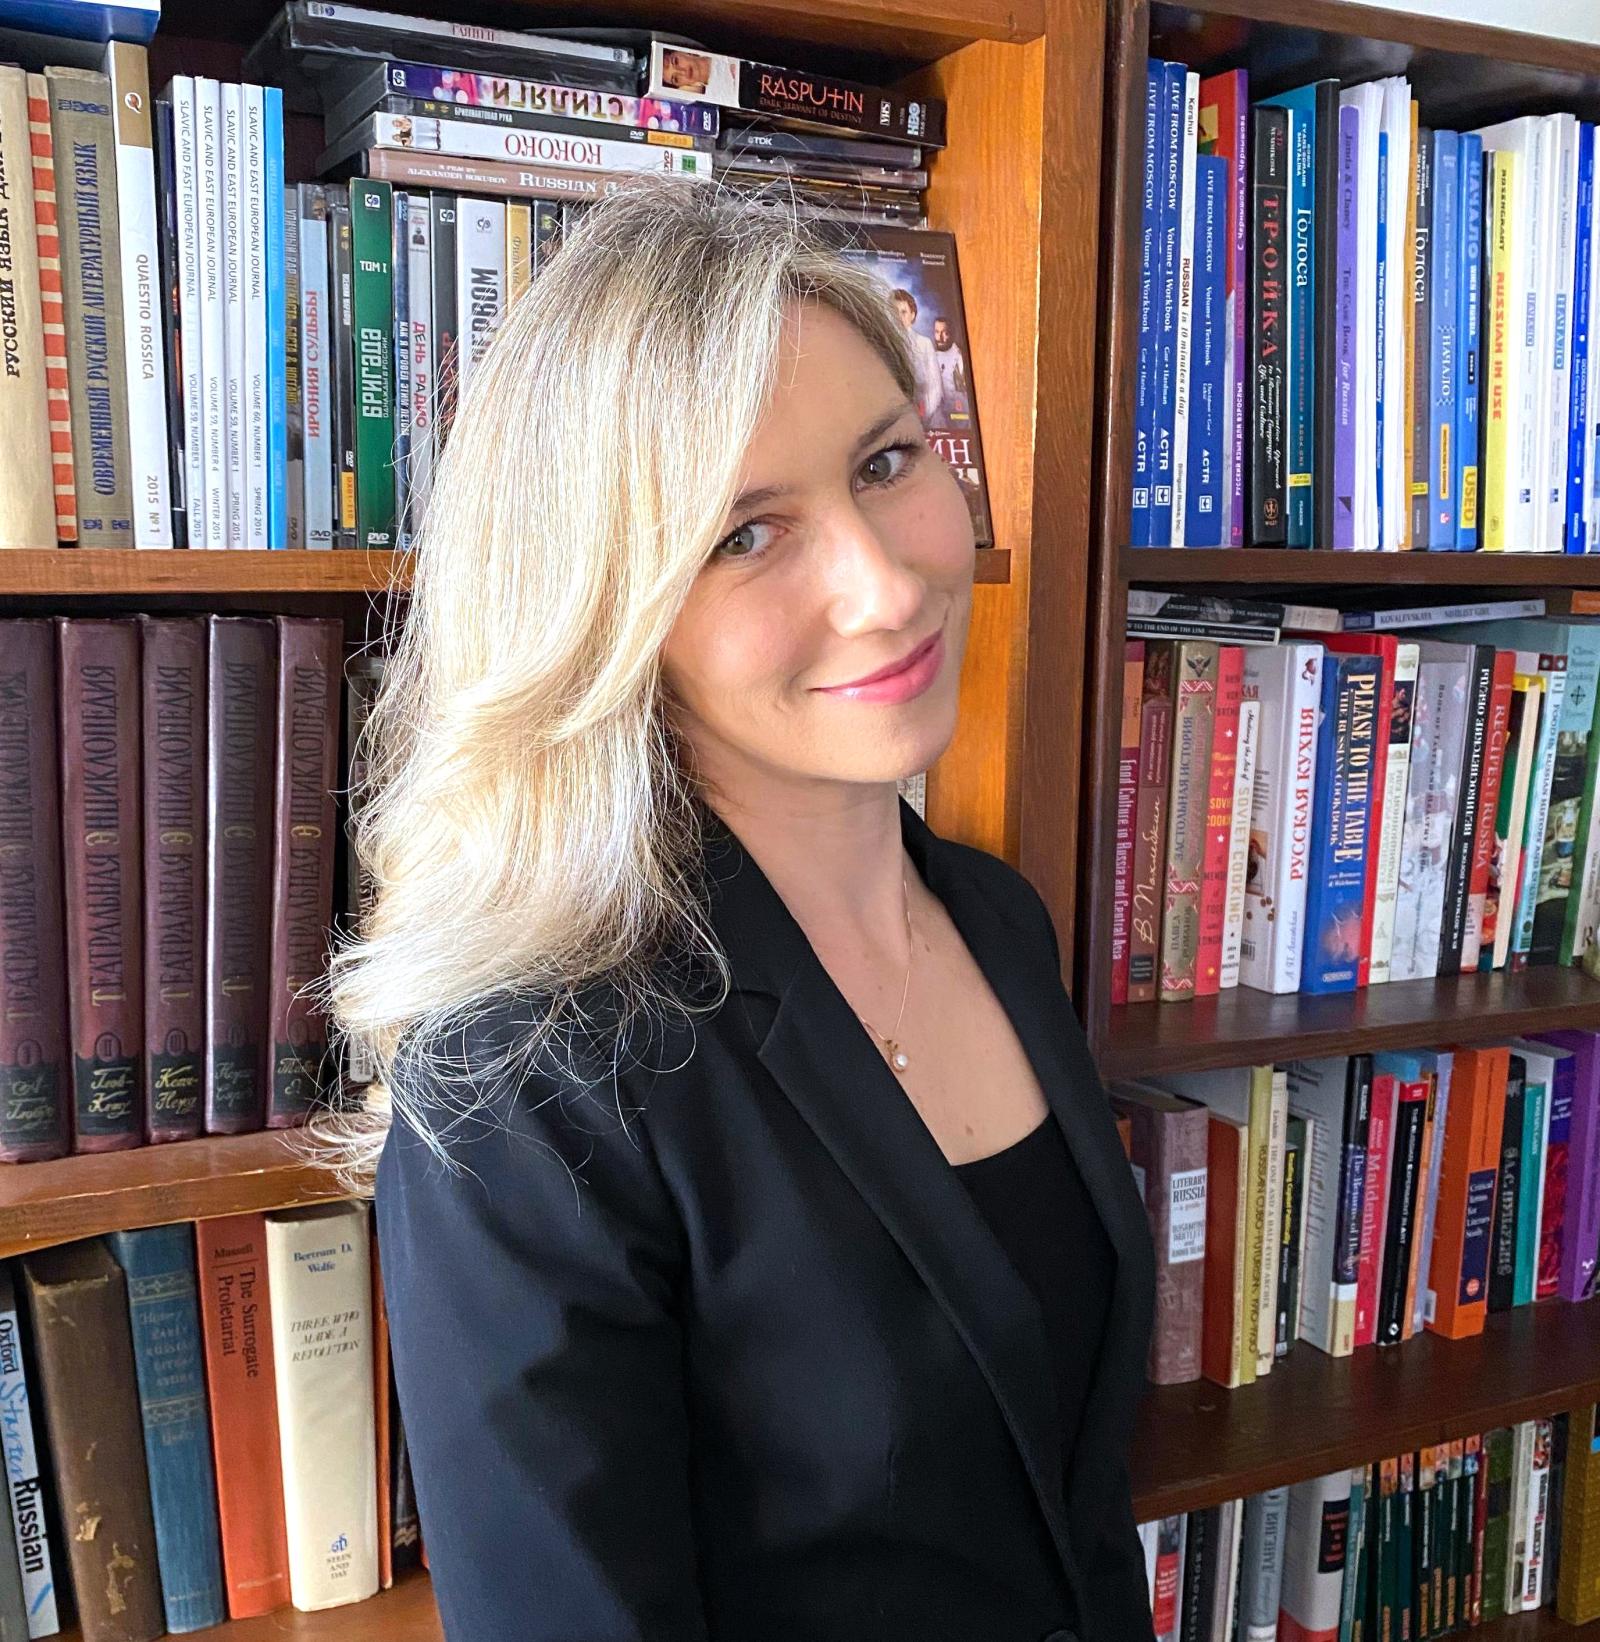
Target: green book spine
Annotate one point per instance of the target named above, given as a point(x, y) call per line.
point(1386, 1569)
point(1586, 857)
point(372, 239)
point(1405, 1595)
point(1497, 1524)
point(1528, 1190)
point(1354, 1556)
point(1422, 1544)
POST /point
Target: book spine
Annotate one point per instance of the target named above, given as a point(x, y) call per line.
point(326, 1420)
point(1460, 1260)
point(1397, 777)
point(1385, 650)
point(1527, 694)
point(400, 354)
point(159, 1266)
point(1500, 177)
point(1419, 294)
point(1269, 324)
point(78, 1307)
point(1346, 345)
point(191, 306)
point(276, 385)
point(173, 713)
point(480, 279)
point(1174, 90)
point(1508, 1192)
point(27, 508)
point(446, 329)
point(1269, 1128)
point(372, 328)
point(241, 265)
point(1300, 383)
point(1438, 1069)
point(171, 354)
point(1183, 347)
point(1324, 334)
point(1150, 832)
point(341, 317)
point(1375, 1204)
point(1469, 805)
point(309, 670)
point(1427, 777)
point(1194, 716)
point(1351, 1211)
point(80, 123)
point(1443, 341)
point(1494, 767)
point(1404, 1183)
point(36, 1557)
point(215, 365)
point(241, 679)
point(1219, 818)
point(1340, 813)
point(1288, 1232)
point(1127, 813)
point(293, 376)
point(1575, 532)
point(316, 367)
point(1557, 1173)
point(34, 1071)
point(99, 696)
point(52, 310)
point(1203, 523)
point(420, 344)
point(1239, 839)
point(1261, 1572)
point(1227, 1233)
point(1530, 1189)
point(1469, 341)
point(1541, 785)
point(1149, 277)
point(1554, 894)
point(236, 1314)
point(250, 366)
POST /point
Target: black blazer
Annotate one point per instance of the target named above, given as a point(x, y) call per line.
point(760, 1372)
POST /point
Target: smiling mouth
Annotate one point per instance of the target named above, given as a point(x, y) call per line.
point(894, 669)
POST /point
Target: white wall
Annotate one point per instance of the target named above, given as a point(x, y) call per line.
point(1563, 19)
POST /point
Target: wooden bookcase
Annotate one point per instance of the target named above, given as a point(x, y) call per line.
point(1199, 1444)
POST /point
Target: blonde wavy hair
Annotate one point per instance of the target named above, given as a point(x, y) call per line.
point(528, 820)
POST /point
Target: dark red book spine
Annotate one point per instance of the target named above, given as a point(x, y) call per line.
point(241, 688)
point(174, 696)
point(1219, 819)
point(35, 1117)
point(100, 826)
point(305, 834)
point(1150, 824)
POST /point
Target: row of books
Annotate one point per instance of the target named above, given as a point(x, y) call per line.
point(1424, 1544)
point(1323, 813)
point(1359, 333)
point(200, 1426)
point(1358, 1200)
point(172, 817)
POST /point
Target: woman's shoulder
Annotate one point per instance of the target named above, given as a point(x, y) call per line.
point(1007, 891)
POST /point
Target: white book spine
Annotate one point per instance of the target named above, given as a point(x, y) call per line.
point(1272, 1241)
point(1319, 1510)
point(1397, 297)
point(24, 1483)
point(480, 281)
point(319, 1270)
point(1185, 328)
point(1519, 771)
point(1316, 1092)
point(1527, 510)
point(1556, 383)
point(213, 349)
point(143, 348)
point(1287, 681)
point(1537, 1511)
point(252, 367)
point(1443, 1066)
point(1239, 842)
point(1517, 1539)
point(419, 261)
point(234, 257)
point(186, 143)
point(1392, 826)
point(468, 140)
point(314, 378)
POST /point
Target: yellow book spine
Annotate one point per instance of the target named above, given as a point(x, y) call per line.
point(519, 249)
point(1496, 488)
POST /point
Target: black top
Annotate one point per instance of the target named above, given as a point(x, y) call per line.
point(1041, 1214)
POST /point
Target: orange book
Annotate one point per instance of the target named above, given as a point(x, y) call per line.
point(1226, 1344)
point(380, 1404)
point(235, 1309)
point(1459, 1275)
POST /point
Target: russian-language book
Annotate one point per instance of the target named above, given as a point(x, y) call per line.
point(1127, 809)
point(102, 859)
point(400, 266)
point(52, 310)
point(294, 375)
point(1420, 277)
point(214, 363)
point(308, 709)
point(241, 672)
point(276, 386)
point(241, 228)
point(1495, 746)
point(36, 1079)
point(1287, 681)
point(185, 103)
point(1269, 338)
point(1219, 818)
point(1194, 718)
point(419, 347)
point(27, 506)
point(158, 1263)
point(372, 232)
point(1244, 783)
point(446, 325)
point(1224, 131)
point(1170, 1138)
point(480, 279)
point(37, 1557)
point(78, 1308)
point(173, 697)
point(80, 119)
point(341, 314)
point(316, 366)
point(318, 1264)
point(1150, 833)
point(236, 1314)
point(1340, 817)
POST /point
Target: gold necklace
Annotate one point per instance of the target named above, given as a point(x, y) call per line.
point(894, 1053)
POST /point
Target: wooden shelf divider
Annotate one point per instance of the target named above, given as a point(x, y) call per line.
point(88, 1195)
point(1278, 566)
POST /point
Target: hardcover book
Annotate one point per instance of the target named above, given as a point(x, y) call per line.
point(1269, 337)
point(37, 1558)
point(1194, 717)
point(52, 310)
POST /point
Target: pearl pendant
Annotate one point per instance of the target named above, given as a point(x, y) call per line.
point(898, 1058)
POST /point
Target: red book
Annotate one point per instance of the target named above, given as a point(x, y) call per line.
point(1227, 1254)
point(1150, 824)
point(236, 1317)
point(1127, 813)
point(1383, 646)
point(1375, 1205)
point(1495, 739)
point(1219, 819)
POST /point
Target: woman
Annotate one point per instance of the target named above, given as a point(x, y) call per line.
point(762, 1263)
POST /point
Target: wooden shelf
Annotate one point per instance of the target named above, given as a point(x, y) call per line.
point(72, 1197)
point(1197, 1445)
point(1272, 566)
point(1243, 1027)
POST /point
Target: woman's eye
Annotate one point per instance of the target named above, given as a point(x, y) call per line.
point(883, 467)
point(751, 538)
